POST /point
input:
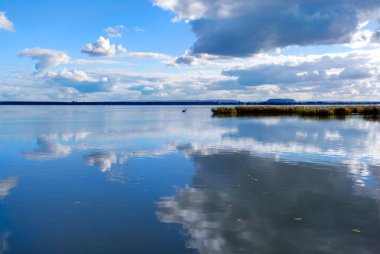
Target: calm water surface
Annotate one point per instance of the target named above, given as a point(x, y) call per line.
point(156, 180)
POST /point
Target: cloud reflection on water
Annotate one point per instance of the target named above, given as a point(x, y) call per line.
point(6, 185)
point(353, 141)
point(253, 175)
point(241, 203)
point(102, 160)
point(47, 148)
point(4, 246)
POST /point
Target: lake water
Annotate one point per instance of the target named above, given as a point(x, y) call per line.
point(156, 180)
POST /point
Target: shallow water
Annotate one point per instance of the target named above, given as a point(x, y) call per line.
point(104, 179)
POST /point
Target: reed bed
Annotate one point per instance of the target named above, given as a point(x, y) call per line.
point(319, 111)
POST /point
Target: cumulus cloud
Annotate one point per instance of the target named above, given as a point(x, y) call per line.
point(79, 80)
point(191, 59)
point(376, 36)
point(115, 31)
point(121, 48)
point(102, 47)
point(325, 68)
point(363, 38)
point(245, 27)
point(352, 75)
point(46, 58)
point(5, 23)
point(75, 75)
point(186, 59)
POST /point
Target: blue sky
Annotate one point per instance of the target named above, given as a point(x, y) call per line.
point(181, 49)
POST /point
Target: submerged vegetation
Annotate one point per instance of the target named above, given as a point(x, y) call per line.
point(306, 111)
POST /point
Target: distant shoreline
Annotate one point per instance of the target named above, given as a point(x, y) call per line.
point(321, 111)
point(183, 103)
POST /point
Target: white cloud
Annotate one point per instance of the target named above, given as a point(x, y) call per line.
point(352, 75)
point(186, 10)
point(79, 80)
point(102, 47)
point(187, 59)
point(121, 48)
point(93, 61)
point(353, 66)
point(119, 30)
point(75, 75)
point(138, 29)
point(46, 58)
point(363, 38)
point(5, 23)
point(115, 31)
point(152, 55)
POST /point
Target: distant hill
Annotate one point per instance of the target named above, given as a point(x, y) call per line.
point(280, 101)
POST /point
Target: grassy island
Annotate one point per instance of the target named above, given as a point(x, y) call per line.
point(317, 111)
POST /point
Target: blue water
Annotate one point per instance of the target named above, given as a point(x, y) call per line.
point(149, 179)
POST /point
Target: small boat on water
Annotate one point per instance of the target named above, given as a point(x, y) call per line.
point(184, 110)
